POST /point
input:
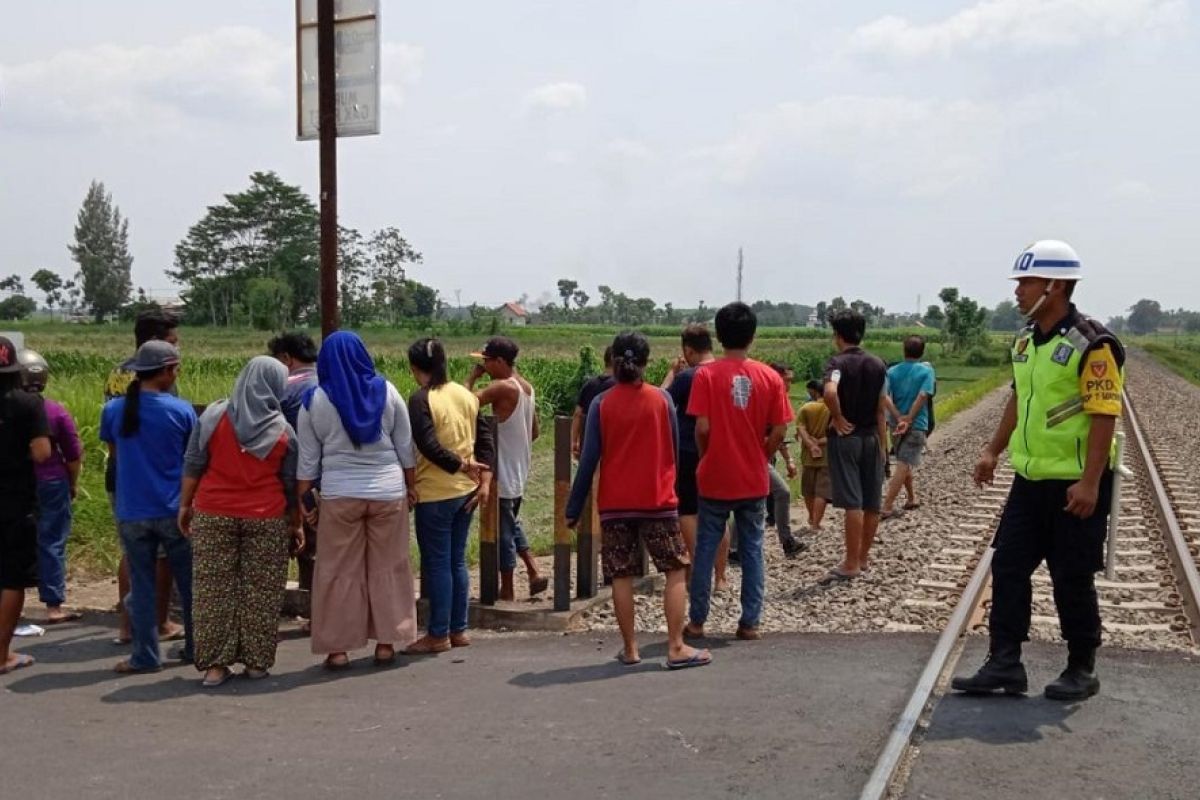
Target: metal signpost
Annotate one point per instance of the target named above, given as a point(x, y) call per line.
point(337, 94)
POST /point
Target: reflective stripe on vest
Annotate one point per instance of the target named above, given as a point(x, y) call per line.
point(1051, 438)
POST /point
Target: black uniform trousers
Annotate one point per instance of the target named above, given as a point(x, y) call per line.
point(1034, 527)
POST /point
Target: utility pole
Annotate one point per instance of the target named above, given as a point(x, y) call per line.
point(739, 277)
point(327, 110)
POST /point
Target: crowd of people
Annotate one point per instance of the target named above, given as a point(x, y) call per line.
point(315, 445)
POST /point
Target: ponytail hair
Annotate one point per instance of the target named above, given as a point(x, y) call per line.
point(131, 420)
point(631, 353)
point(429, 356)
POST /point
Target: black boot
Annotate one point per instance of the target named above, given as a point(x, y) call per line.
point(1003, 671)
point(1078, 681)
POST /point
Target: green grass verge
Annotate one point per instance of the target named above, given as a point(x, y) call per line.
point(1183, 359)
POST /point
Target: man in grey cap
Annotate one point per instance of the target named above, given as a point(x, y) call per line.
point(148, 429)
point(24, 441)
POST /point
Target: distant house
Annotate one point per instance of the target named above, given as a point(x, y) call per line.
point(814, 321)
point(513, 314)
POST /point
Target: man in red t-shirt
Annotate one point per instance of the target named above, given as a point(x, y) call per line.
point(734, 400)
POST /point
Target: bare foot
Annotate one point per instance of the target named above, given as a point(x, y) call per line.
point(722, 585)
point(170, 632)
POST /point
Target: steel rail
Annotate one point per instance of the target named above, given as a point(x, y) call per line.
point(1186, 574)
point(940, 662)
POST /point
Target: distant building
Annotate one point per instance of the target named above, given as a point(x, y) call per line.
point(814, 321)
point(513, 314)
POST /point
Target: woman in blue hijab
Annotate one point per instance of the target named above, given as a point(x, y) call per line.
point(356, 439)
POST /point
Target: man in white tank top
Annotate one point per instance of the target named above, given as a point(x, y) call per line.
point(512, 400)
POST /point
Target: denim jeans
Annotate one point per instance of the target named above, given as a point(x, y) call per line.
point(442, 530)
point(512, 535)
point(54, 526)
point(142, 540)
point(748, 519)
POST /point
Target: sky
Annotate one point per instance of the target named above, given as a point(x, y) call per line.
point(874, 150)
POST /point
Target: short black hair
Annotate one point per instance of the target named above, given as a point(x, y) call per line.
point(631, 353)
point(848, 324)
point(608, 356)
point(297, 344)
point(736, 326)
point(697, 337)
point(782, 368)
point(914, 347)
point(815, 386)
point(153, 323)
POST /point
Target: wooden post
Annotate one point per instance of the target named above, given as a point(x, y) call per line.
point(562, 534)
point(489, 539)
point(327, 114)
point(588, 536)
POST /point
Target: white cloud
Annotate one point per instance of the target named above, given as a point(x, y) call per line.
point(229, 74)
point(1129, 190)
point(877, 145)
point(1019, 25)
point(629, 149)
point(553, 97)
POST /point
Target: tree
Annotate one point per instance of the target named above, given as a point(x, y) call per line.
point(1144, 317)
point(18, 306)
point(1116, 324)
point(101, 249)
point(581, 300)
point(934, 318)
point(566, 290)
point(1006, 316)
point(822, 313)
point(965, 319)
point(267, 231)
point(12, 284)
point(50, 284)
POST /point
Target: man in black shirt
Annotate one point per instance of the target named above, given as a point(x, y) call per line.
point(24, 441)
point(854, 393)
point(592, 388)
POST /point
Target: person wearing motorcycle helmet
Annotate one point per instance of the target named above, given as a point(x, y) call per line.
point(1058, 429)
point(57, 487)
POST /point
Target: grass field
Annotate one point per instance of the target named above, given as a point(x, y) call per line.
point(555, 360)
point(1178, 353)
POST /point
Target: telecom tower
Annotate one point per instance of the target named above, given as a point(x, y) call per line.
point(739, 279)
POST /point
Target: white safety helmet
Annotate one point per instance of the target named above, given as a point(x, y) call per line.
point(1049, 259)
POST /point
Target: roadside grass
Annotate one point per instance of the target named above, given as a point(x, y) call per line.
point(1182, 357)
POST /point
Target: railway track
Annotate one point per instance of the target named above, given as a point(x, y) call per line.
point(1151, 600)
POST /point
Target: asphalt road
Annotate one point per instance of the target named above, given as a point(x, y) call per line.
point(517, 717)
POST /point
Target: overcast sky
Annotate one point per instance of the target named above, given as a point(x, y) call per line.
point(880, 150)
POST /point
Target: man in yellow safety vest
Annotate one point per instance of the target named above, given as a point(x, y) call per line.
point(1058, 427)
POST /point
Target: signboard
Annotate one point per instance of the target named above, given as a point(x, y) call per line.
point(356, 65)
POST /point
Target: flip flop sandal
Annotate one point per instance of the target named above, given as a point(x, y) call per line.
point(255, 674)
point(383, 661)
point(835, 576)
point(121, 641)
point(626, 660)
point(886, 515)
point(336, 666)
point(70, 616)
point(538, 586)
point(699, 658)
point(23, 661)
point(226, 674)
point(911, 506)
point(174, 637)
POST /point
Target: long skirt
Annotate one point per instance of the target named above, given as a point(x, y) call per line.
point(239, 569)
point(363, 585)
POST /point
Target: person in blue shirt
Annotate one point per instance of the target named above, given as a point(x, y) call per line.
point(911, 386)
point(147, 430)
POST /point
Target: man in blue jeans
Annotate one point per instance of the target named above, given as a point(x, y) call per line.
point(734, 400)
point(148, 430)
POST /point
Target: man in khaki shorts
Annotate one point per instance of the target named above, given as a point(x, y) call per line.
point(911, 385)
point(812, 428)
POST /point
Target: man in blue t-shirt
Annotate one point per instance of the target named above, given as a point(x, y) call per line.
point(911, 386)
point(147, 429)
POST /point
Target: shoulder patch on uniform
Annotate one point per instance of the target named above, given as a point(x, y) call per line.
point(1062, 354)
